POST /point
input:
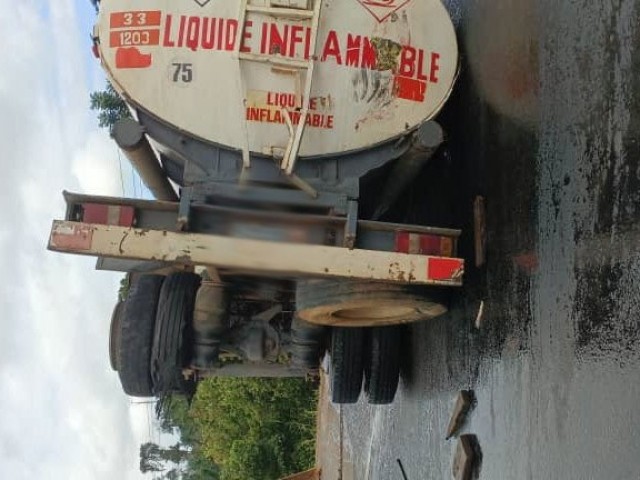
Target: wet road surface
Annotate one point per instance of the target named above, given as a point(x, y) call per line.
point(545, 124)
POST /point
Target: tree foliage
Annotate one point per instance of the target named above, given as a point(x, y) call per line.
point(109, 105)
point(239, 429)
point(154, 458)
point(125, 286)
point(256, 428)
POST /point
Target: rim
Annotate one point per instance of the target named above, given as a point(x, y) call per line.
point(373, 313)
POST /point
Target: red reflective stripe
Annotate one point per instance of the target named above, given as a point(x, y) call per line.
point(430, 245)
point(424, 244)
point(402, 242)
point(95, 213)
point(445, 268)
point(127, 215)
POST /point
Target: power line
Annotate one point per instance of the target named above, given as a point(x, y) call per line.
point(133, 181)
point(121, 174)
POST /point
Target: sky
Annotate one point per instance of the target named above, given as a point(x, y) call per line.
point(63, 414)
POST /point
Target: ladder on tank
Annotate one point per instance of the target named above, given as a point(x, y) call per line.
point(312, 15)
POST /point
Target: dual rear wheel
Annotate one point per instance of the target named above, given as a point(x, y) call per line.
point(149, 332)
point(369, 354)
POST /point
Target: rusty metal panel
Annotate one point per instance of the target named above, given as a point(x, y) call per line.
point(382, 69)
point(257, 256)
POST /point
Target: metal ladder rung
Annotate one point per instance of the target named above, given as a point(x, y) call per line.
point(282, 12)
point(277, 61)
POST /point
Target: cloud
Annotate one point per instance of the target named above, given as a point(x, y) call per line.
point(62, 412)
point(96, 166)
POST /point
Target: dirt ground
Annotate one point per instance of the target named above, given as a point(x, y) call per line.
point(333, 454)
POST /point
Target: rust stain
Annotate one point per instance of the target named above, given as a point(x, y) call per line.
point(387, 53)
point(183, 258)
point(396, 273)
point(122, 240)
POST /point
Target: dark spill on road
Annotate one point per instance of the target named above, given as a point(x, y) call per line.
point(545, 124)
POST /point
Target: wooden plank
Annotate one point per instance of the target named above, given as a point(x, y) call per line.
point(464, 459)
point(460, 411)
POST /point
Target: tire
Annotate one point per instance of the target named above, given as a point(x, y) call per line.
point(382, 372)
point(114, 335)
point(135, 337)
point(351, 303)
point(173, 332)
point(347, 365)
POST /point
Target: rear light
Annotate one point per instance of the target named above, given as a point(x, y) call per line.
point(123, 216)
point(95, 51)
point(425, 244)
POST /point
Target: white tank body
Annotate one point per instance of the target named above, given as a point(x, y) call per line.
point(381, 68)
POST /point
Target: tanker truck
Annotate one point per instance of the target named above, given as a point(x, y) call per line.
point(256, 124)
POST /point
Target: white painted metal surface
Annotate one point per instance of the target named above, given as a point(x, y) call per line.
point(383, 67)
point(253, 255)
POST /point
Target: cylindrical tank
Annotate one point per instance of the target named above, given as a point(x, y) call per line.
point(379, 69)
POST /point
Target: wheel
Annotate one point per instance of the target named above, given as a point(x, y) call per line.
point(114, 335)
point(382, 372)
point(135, 336)
point(347, 366)
point(361, 304)
point(173, 332)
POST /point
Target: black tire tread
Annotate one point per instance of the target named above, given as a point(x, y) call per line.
point(383, 369)
point(136, 336)
point(347, 366)
point(173, 331)
point(114, 335)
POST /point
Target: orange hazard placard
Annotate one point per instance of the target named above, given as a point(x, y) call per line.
point(135, 19)
point(129, 38)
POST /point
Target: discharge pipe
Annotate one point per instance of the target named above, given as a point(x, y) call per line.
point(129, 135)
point(426, 140)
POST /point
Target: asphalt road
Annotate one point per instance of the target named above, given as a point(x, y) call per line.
point(545, 124)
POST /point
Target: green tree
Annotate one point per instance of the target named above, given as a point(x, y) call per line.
point(256, 428)
point(153, 458)
point(109, 105)
point(125, 286)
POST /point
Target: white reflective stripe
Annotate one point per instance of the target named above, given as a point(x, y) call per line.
point(113, 215)
point(414, 243)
